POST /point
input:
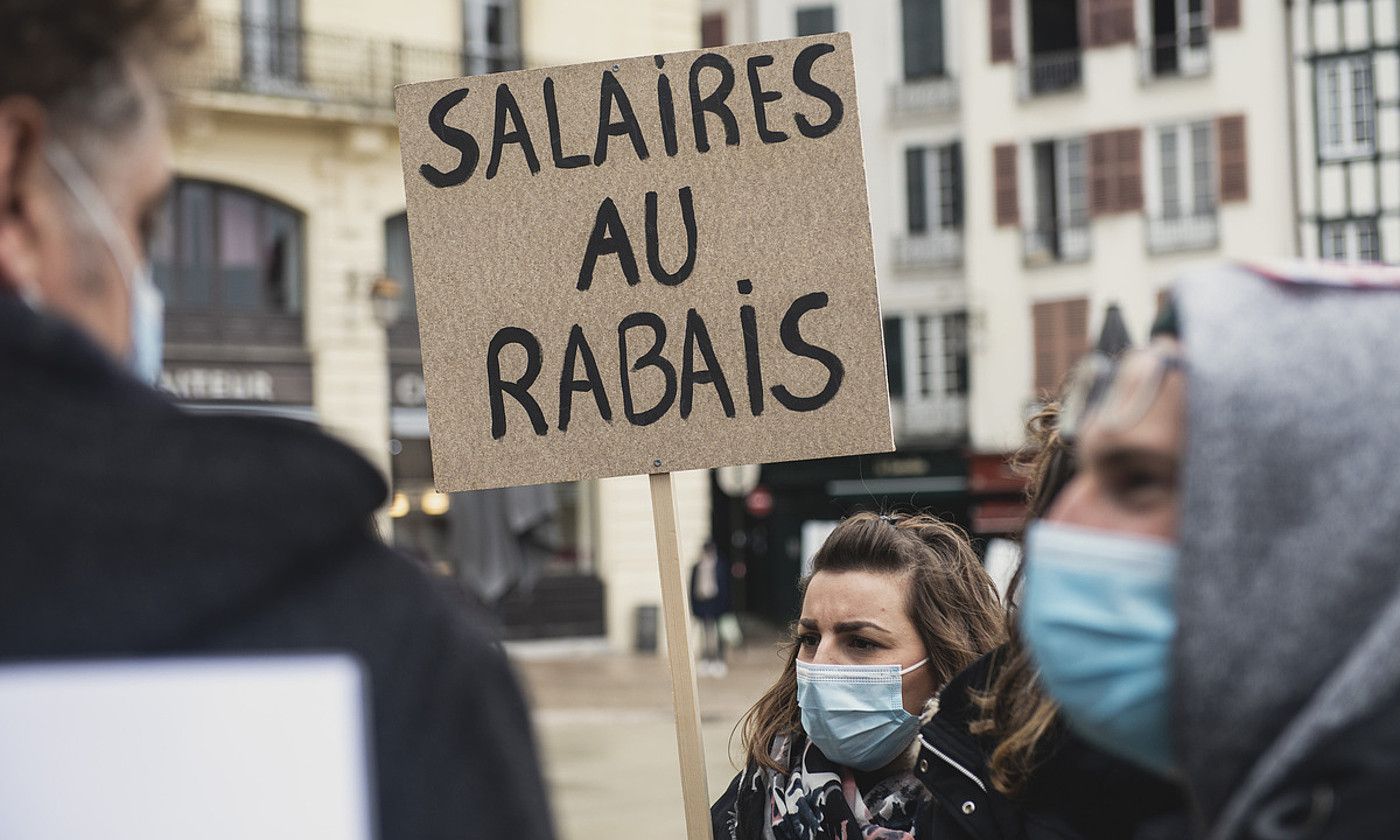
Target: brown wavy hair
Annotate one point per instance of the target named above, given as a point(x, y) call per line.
point(952, 602)
point(1015, 712)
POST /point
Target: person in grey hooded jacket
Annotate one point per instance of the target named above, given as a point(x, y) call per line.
point(1216, 595)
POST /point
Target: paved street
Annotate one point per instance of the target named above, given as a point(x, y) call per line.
point(608, 734)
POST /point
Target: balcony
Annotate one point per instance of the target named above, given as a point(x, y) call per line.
point(929, 418)
point(1048, 244)
point(923, 97)
point(939, 248)
point(1182, 55)
point(1197, 232)
point(311, 67)
point(1051, 72)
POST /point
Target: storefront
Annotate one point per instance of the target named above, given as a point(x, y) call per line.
point(524, 551)
point(769, 540)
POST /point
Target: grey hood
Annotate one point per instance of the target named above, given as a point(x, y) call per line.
point(1289, 616)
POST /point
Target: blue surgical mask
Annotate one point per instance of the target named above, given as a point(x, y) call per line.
point(855, 713)
point(1099, 617)
point(147, 305)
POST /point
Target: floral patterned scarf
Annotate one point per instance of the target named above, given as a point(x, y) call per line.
point(818, 800)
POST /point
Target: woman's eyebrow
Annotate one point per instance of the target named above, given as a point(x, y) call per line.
point(852, 626)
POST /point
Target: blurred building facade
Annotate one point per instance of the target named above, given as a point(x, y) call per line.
point(1346, 99)
point(1113, 145)
point(907, 57)
point(289, 287)
point(1034, 165)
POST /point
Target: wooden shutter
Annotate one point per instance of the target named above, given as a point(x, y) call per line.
point(1106, 22)
point(712, 30)
point(1103, 183)
point(1002, 46)
point(1008, 208)
point(1234, 158)
point(1129, 174)
point(1115, 172)
point(1061, 336)
point(1227, 14)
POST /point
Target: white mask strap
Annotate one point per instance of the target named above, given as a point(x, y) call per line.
point(916, 666)
point(95, 206)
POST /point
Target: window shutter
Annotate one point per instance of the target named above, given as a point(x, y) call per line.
point(1106, 22)
point(1061, 330)
point(894, 355)
point(955, 151)
point(712, 30)
point(1234, 163)
point(1003, 47)
point(1103, 181)
point(915, 190)
point(1227, 14)
point(1043, 324)
point(1008, 208)
point(1129, 172)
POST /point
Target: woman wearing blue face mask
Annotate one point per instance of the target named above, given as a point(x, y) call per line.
point(895, 606)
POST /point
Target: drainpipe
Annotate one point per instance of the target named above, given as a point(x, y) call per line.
point(1292, 127)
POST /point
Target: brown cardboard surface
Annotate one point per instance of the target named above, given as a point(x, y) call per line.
point(505, 252)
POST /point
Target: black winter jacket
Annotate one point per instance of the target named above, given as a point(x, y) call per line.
point(129, 527)
point(1078, 792)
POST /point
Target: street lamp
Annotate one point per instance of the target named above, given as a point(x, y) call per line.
point(385, 300)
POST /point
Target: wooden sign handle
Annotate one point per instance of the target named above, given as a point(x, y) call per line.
point(694, 790)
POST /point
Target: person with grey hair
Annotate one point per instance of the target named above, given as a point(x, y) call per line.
point(131, 528)
point(1215, 594)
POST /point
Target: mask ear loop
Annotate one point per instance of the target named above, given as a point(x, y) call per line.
point(95, 207)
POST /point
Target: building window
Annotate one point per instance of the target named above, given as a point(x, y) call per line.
point(933, 187)
point(816, 20)
point(1054, 61)
point(1060, 226)
point(955, 354)
point(1346, 107)
point(1179, 38)
point(398, 263)
point(926, 339)
point(923, 39)
point(229, 250)
point(271, 41)
point(1181, 198)
point(894, 356)
point(1185, 171)
point(1351, 240)
point(490, 36)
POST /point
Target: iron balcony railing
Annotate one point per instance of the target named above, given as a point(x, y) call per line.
point(1051, 72)
point(1051, 243)
point(1174, 56)
point(923, 97)
point(242, 56)
point(942, 247)
point(1195, 232)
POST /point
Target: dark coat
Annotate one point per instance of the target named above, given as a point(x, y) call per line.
point(131, 528)
point(719, 604)
point(1077, 792)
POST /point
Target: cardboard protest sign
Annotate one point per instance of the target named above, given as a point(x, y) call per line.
point(655, 264)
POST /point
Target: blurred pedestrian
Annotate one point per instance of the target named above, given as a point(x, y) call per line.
point(709, 602)
point(1215, 594)
point(130, 527)
point(894, 607)
point(998, 756)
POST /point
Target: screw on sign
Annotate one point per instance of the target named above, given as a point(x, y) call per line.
point(759, 502)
